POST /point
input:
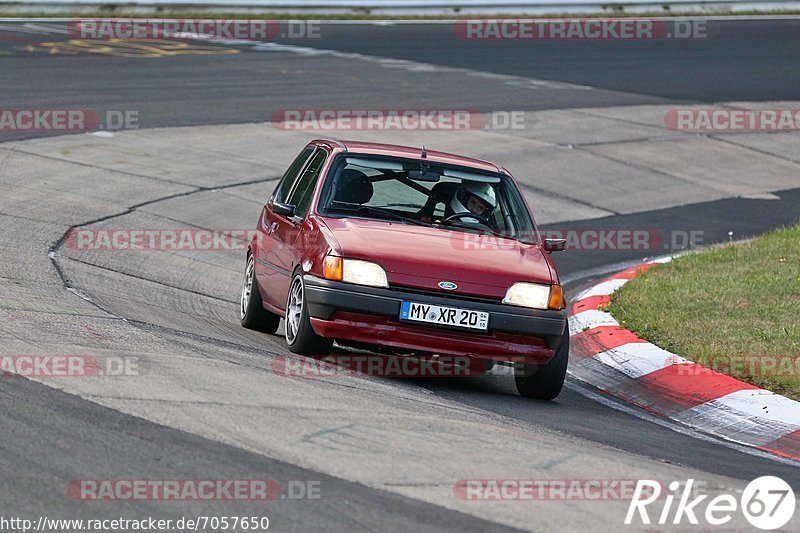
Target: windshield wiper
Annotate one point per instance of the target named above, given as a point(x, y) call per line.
point(368, 209)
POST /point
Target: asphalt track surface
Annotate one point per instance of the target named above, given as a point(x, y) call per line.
point(49, 436)
point(739, 60)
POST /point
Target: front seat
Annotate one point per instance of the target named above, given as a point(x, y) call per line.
point(441, 193)
point(354, 187)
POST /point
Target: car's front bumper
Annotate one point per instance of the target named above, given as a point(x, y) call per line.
point(371, 315)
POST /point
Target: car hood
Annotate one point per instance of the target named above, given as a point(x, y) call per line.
point(422, 257)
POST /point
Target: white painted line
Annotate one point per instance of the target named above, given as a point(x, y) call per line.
point(598, 272)
point(605, 288)
point(663, 260)
point(22, 28)
point(639, 358)
point(715, 419)
point(762, 404)
point(47, 29)
point(608, 269)
point(417, 66)
point(589, 320)
point(582, 387)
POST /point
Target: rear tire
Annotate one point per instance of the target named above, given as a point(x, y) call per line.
point(300, 336)
point(544, 382)
point(251, 308)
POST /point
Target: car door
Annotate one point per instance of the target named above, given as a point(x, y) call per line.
point(269, 270)
point(288, 229)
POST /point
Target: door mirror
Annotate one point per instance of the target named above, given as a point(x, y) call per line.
point(283, 209)
point(555, 245)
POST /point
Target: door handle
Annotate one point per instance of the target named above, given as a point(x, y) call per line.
point(273, 227)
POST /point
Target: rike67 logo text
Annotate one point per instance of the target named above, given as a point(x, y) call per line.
point(767, 503)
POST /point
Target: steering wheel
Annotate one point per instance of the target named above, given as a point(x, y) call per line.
point(483, 220)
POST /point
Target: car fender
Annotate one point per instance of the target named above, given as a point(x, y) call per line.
point(323, 244)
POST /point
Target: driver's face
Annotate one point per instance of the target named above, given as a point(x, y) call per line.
point(476, 206)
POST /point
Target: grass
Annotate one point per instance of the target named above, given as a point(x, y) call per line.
point(735, 309)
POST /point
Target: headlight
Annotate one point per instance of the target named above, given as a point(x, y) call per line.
point(363, 273)
point(535, 296)
point(354, 271)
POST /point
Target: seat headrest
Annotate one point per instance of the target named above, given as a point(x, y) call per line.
point(354, 187)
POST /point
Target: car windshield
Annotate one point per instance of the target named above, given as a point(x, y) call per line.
point(426, 193)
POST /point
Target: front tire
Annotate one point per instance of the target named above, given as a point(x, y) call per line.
point(251, 308)
point(300, 336)
point(544, 382)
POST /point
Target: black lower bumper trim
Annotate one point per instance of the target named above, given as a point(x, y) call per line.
point(325, 297)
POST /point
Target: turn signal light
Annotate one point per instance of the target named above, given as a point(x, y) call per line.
point(332, 268)
point(556, 298)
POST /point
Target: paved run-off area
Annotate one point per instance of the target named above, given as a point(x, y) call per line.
point(200, 372)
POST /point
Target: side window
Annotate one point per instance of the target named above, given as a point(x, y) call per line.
point(304, 190)
point(285, 185)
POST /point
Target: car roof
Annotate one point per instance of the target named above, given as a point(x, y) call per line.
point(397, 150)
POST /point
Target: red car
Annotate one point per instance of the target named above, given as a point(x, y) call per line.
point(421, 252)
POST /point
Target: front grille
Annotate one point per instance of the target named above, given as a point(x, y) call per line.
point(445, 294)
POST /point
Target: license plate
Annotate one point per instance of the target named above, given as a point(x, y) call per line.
point(444, 316)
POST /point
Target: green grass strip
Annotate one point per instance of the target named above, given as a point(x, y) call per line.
point(735, 309)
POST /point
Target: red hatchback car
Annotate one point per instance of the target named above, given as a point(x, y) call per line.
point(424, 253)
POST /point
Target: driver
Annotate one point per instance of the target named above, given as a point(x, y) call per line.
point(465, 197)
point(473, 197)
